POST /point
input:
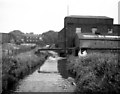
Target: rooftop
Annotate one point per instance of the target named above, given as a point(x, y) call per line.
point(32, 35)
point(87, 16)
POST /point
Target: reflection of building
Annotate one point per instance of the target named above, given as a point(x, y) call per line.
point(119, 12)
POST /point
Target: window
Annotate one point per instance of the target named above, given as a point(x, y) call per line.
point(78, 30)
point(94, 30)
point(110, 31)
point(69, 24)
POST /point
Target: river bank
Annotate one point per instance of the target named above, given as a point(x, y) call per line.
point(17, 67)
point(96, 73)
point(49, 79)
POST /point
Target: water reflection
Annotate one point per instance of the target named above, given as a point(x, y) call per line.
point(47, 72)
point(62, 68)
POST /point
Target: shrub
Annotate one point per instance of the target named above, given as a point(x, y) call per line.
point(14, 68)
point(96, 72)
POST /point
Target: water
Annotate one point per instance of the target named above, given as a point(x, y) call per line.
point(48, 80)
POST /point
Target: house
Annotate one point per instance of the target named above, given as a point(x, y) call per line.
point(32, 38)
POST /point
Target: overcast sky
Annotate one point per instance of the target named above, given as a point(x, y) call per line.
point(39, 16)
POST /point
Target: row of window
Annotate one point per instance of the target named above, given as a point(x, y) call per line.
point(33, 37)
point(32, 40)
point(94, 30)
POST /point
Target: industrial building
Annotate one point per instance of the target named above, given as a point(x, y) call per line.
point(98, 25)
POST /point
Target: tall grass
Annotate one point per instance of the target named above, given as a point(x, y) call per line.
point(10, 49)
point(15, 68)
point(97, 72)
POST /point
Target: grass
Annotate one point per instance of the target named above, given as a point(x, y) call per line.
point(15, 68)
point(14, 49)
point(96, 72)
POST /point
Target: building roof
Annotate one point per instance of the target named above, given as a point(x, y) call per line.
point(103, 20)
point(32, 35)
point(93, 36)
point(87, 16)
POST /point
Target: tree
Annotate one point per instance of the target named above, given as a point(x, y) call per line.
point(18, 36)
point(50, 37)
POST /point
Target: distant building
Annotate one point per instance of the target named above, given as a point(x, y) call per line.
point(20, 38)
point(32, 38)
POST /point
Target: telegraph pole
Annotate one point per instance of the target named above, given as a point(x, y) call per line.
point(65, 29)
point(119, 12)
point(68, 10)
point(67, 7)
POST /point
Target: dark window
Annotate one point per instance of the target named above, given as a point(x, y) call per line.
point(110, 31)
point(70, 24)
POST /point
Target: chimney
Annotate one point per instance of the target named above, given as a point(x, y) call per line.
point(119, 12)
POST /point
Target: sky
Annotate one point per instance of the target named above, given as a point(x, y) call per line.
point(39, 16)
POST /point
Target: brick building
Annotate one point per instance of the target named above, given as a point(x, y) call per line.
point(23, 38)
point(32, 38)
point(116, 29)
point(101, 25)
point(88, 24)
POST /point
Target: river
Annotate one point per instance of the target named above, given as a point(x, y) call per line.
point(49, 79)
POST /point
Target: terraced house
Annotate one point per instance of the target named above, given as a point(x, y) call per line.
point(32, 38)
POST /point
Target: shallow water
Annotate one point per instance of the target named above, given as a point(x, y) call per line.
point(48, 80)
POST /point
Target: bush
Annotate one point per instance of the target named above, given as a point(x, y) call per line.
point(14, 68)
point(96, 72)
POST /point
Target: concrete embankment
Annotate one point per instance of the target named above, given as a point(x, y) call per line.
point(15, 68)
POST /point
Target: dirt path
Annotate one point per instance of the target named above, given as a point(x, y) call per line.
point(48, 80)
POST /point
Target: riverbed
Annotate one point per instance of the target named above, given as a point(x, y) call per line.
point(47, 78)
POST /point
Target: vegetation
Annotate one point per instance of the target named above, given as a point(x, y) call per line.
point(50, 37)
point(17, 35)
point(14, 68)
point(96, 72)
point(14, 49)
